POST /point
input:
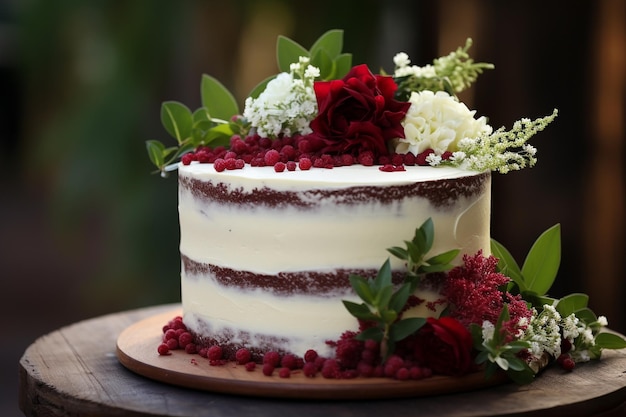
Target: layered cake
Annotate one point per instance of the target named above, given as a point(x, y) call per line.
point(266, 256)
point(341, 223)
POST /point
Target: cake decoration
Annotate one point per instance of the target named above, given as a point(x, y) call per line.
point(432, 307)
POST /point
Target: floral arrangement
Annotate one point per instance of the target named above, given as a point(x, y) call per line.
point(321, 111)
point(497, 314)
point(334, 114)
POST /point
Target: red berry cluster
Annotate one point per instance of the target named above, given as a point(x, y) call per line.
point(292, 152)
point(353, 358)
point(565, 360)
point(176, 336)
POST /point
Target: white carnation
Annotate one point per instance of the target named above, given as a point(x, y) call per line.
point(438, 121)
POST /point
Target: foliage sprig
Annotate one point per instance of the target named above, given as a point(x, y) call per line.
point(383, 301)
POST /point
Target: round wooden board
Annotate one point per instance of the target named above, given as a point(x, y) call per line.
point(137, 351)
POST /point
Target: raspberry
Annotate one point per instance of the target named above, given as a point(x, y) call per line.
point(169, 334)
point(289, 361)
point(310, 355)
point(386, 168)
point(239, 163)
point(265, 143)
point(231, 164)
point(243, 356)
point(371, 344)
point(420, 159)
point(271, 157)
point(250, 366)
point(279, 166)
point(393, 364)
point(172, 344)
point(347, 160)
point(416, 372)
point(163, 349)
point(272, 358)
point(409, 159)
point(402, 374)
point(305, 164)
point(365, 369)
point(268, 369)
point(191, 348)
point(203, 156)
point(397, 159)
point(177, 323)
point(309, 369)
point(366, 158)
point(291, 166)
point(284, 372)
point(446, 155)
point(219, 165)
point(184, 339)
point(203, 352)
point(187, 158)
point(330, 369)
point(230, 155)
point(214, 353)
point(239, 147)
point(288, 152)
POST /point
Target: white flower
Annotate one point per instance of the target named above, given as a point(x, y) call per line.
point(438, 121)
point(487, 330)
point(602, 321)
point(401, 59)
point(288, 103)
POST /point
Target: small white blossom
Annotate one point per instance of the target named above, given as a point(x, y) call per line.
point(487, 330)
point(401, 59)
point(288, 103)
point(602, 321)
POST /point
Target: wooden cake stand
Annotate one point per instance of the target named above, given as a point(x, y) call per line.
point(99, 366)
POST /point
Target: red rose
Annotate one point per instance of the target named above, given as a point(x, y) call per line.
point(445, 346)
point(357, 113)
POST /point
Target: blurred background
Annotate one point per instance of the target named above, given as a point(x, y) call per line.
point(87, 230)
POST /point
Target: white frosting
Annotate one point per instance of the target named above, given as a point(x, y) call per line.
point(268, 240)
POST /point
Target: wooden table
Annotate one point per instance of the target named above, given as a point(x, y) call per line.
point(74, 371)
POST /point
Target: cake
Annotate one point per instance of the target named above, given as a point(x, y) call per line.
point(266, 256)
point(340, 225)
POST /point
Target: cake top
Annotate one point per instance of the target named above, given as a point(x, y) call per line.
point(340, 114)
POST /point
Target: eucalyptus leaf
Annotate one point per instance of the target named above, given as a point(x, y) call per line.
point(260, 87)
point(177, 120)
point(288, 52)
point(219, 102)
point(572, 303)
point(607, 340)
point(543, 260)
point(507, 264)
point(330, 42)
point(156, 152)
point(586, 315)
point(343, 64)
point(322, 60)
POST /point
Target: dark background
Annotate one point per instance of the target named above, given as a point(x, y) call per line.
point(86, 230)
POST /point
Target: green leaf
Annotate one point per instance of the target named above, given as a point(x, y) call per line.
point(288, 52)
point(443, 258)
point(177, 120)
point(382, 298)
point(607, 340)
point(399, 252)
point(220, 103)
point(362, 288)
point(399, 298)
point(156, 152)
point(572, 303)
point(425, 236)
point(260, 87)
point(416, 253)
point(507, 264)
point(324, 62)
point(371, 333)
point(586, 315)
point(543, 260)
point(360, 311)
point(330, 42)
point(383, 278)
point(343, 64)
point(404, 328)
